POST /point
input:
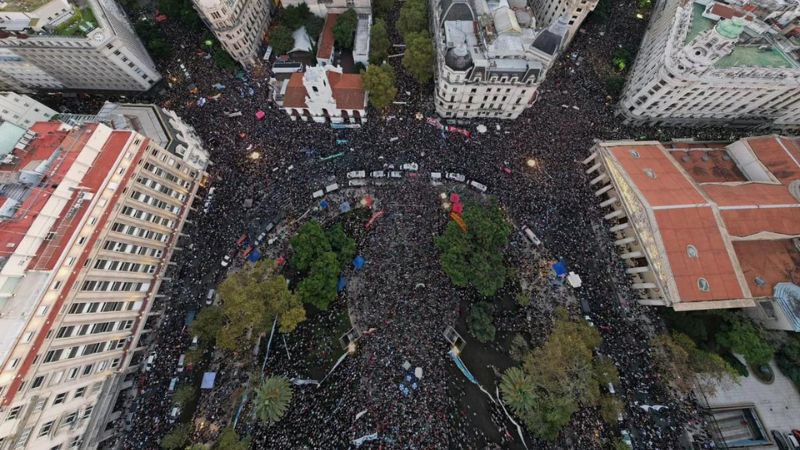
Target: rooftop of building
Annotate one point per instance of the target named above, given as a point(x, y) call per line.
point(326, 39)
point(726, 215)
point(63, 18)
point(22, 5)
point(759, 47)
point(347, 90)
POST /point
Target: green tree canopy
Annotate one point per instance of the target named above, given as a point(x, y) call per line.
point(558, 378)
point(475, 258)
point(207, 324)
point(184, 395)
point(314, 27)
point(177, 438)
point(677, 353)
point(294, 16)
point(379, 82)
point(281, 40)
point(418, 57)
point(272, 399)
point(741, 336)
point(251, 299)
point(788, 358)
point(413, 18)
point(341, 244)
point(382, 8)
point(344, 31)
point(379, 42)
point(319, 287)
point(229, 440)
point(480, 321)
point(308, 245)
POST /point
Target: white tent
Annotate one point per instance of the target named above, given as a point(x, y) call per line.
point(302, 41)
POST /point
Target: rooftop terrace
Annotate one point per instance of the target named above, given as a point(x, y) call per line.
point(23, 5)
point(743, 55)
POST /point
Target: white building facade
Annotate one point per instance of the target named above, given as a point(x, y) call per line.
point(239, 25)
point(713, 64)
point(79, 281)
point(574, 11)
point(95, 49)
point(22, 110)
point(322, 8)
point(490, 69)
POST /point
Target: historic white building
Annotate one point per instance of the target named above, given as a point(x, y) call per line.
point(574, 11)
point(322, 94)
point(64, 46)
point(711, 62)
point(239, 25)
point(490, 58)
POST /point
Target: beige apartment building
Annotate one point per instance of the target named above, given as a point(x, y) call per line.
point(574, 11)
point(89, 219)
point(64, 45)
point(239, 25)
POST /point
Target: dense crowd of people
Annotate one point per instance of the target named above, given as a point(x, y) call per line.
point(402, 294)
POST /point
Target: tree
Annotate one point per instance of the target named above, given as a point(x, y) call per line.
point(197, 447)
point(475, 258)
point(480, 321)
point(319, 287)
point(517, 391)
point(788, 358)
point(153, 39)
point(418, 58)
point(341, 244)
point(413, 18)
point(678, 354)
point(344, 30)
point(223, 60)
point(382, 8)
point(379, 42)
point(281, 40)
point(314, 27)
point(229, 440)
point(176, 438)
point(557, 378)
point(293, 17)
point(207, 324)
point(184, 395)
point(741, 336)
point(272, 399)
point(518, 348)
point(610, 409)
point(251, 299)
point(308, 245)
point(379, 82)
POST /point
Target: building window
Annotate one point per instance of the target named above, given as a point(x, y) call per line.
point(80, 392)
point(691, 250)
point(14, 412)
point(60, 398)
point(45, 430)
point(702, 283)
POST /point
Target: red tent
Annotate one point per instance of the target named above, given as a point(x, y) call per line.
point(455, 198)
point(458, 208)
point(260, 115)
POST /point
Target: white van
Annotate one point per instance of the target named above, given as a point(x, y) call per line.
point(318, 194)
point(411, 167)
point(174, 413)
point(148, 366)
point(172, 383)
point(436, 175)
point(357, 174)
point(210, 296)
point(377, 174)
point(331, 188)
point(357, 182)
point(478, 186)
point(181, 360)
point(395, 174)
point(455, 177)
point(531, 236)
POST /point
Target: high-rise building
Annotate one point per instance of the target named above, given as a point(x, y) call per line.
point(706, 225)
point(574, 11)
point(89, 219)
point(490, 58)
point(716, 63)
point(239, 25)
point(59, 45)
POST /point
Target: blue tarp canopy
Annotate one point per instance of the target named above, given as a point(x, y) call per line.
point(358, 262)
point(560, 268)
point(190, 317)
point(208, 380)
point(255, 255)
point(344, 207)
point(342, 284)
point(323, 204)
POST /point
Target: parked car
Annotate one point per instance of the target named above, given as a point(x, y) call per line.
point(531, 236)
point(377, 174)
point(151, 359)
point(455, 177)
point(412, 167)
point(357, 174)
point(226, 261)
point(478, 186)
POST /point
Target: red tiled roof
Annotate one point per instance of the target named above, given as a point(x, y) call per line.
point(726, 12)
point(326, 37)
point(749, 194)
point(747, 222)
point(779, 155)
point(698, 227)
point(295, 95)
point(772, 261)
point(348, 90)
point(669, 187)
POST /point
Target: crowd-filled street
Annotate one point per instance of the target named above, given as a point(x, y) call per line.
point(552, 197)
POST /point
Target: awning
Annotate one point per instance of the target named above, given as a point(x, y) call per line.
point(208, 380)
point(358, 262)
